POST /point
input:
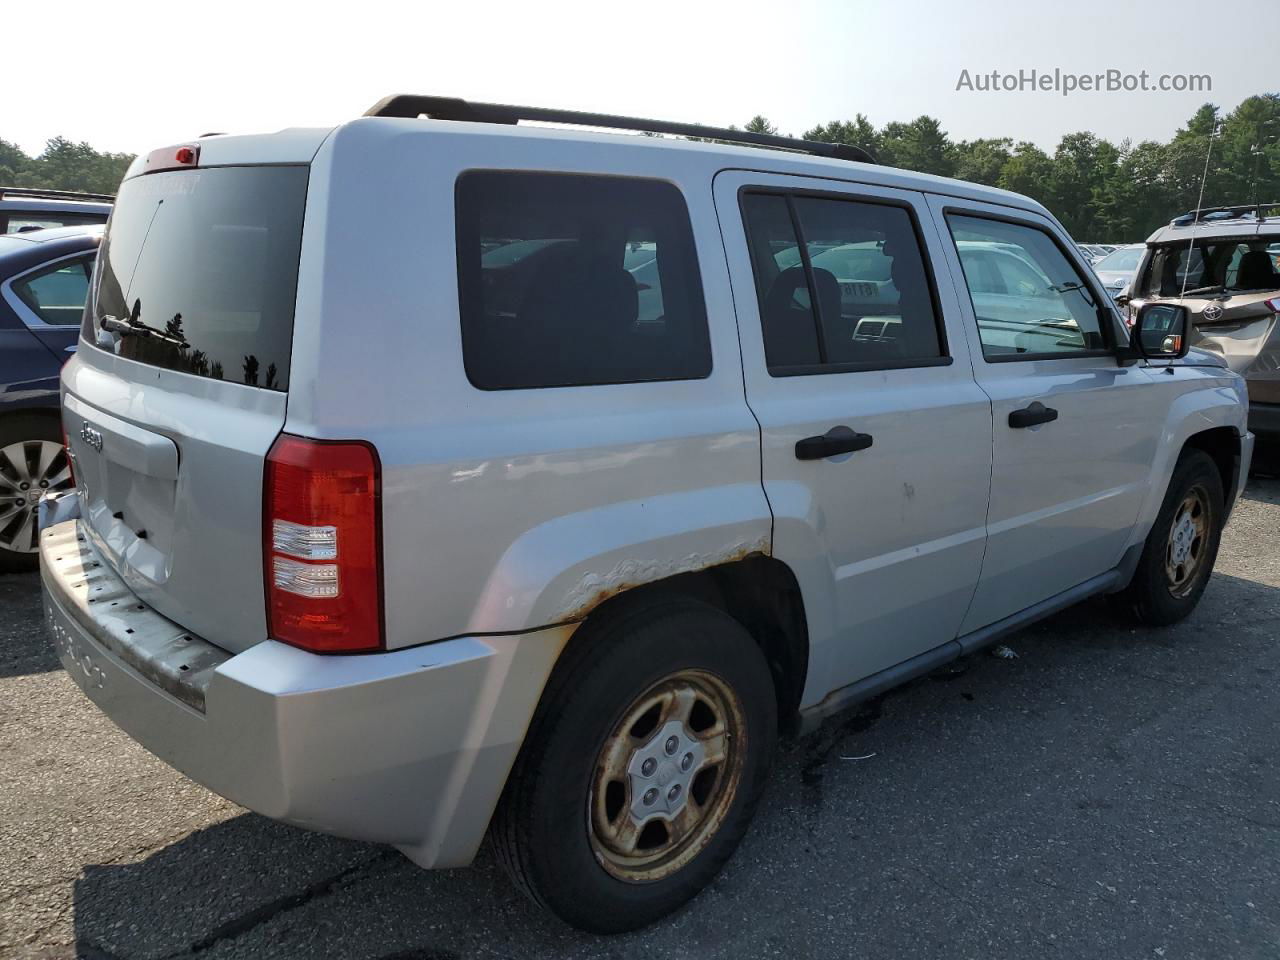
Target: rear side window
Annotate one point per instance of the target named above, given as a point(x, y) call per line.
point(56, 294)
point(570, 280)
point(842, 285)
point(203, 266)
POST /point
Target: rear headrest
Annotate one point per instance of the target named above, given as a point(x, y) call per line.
point(1257, 271)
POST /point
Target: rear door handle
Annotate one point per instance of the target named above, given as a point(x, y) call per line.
point(834, 442)
point(1031, 415)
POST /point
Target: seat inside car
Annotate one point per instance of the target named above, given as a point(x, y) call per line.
point(1257, 272)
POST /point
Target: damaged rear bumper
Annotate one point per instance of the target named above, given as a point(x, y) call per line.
point(410, 747)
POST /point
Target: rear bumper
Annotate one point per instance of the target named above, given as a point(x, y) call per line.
point(1264, 418)
point(410, 747)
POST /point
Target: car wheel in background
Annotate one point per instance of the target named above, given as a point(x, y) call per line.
point(32, 462)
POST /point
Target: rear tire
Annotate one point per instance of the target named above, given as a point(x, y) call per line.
point(1182, 547)
point(29, 465)
point(617, 811)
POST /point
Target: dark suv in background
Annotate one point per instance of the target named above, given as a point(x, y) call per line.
point(44, 276)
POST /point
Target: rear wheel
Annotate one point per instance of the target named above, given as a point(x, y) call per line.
point(1182, 547)
point(641, 772)
point(32, 462)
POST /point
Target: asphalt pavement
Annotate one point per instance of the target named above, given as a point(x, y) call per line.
point(1112, 792)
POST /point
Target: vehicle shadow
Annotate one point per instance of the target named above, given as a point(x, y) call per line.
point(24, 643)
point(968, 813)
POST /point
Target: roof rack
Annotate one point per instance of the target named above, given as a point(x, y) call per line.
point(43, 194)
point(1234, 212)
point(451, 108)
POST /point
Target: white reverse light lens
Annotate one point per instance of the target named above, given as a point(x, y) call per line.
point(305, 543)
point(314, 580)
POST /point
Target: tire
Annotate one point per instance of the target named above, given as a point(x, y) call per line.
point(566, 816)
point(26, 458)
point(1158, 595)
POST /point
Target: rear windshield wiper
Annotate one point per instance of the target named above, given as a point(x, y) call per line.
point(128, 328)
point(1219, 288)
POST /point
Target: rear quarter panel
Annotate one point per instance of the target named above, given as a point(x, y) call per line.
point(505, 510)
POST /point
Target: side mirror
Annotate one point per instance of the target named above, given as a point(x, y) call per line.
point(1161, 331)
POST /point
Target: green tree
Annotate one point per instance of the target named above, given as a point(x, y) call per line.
point(920, 145)
point(858, 132)
point(760, 124)
point(982, 161)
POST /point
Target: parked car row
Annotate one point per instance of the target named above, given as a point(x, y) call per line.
point(550, 473)
point(1093, 252)
point(44, 279)
point(29, 208)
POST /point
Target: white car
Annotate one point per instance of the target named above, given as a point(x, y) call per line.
point(390, 528)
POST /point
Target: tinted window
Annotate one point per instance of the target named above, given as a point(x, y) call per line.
point(204, 265)
point(57, 293)
point(854, 293)
point(572, 280)
point(1027, 296)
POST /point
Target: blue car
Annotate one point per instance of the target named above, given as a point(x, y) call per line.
point(44, 278)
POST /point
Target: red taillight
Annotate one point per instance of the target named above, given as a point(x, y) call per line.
point(1274, 304)
point(185, 155)
point(322, 545)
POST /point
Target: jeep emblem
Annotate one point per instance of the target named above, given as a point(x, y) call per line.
point(91, 436)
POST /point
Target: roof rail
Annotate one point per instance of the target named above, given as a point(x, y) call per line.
point(1235, 211)
point(39, 192)
point(451, 108)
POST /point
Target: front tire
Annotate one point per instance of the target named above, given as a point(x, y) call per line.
point(643, 767)
point(1182, 547)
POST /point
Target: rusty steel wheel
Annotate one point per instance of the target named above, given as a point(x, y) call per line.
point(1179, 552)
point(1188, 535)
point(642, 766)
point(666, 776)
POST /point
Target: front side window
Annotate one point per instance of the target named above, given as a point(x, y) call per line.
point(568, 280)
point(1028, 298)
point(56, 294)
point(841, 284)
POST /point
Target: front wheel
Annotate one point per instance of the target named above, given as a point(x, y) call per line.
point(1182, 547)
point(642, 769)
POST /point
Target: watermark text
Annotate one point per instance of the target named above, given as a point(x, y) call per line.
point(1065, 83)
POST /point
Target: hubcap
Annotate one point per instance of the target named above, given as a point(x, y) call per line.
point(666, 776)
point(28, 469)
point(1188, 535)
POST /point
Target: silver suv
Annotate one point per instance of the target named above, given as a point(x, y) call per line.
point(444, 476)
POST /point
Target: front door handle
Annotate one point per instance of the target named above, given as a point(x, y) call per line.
point(834, 442)
point(1031, 415)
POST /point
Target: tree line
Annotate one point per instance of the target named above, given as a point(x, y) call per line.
point(1100, 190)
point(63, 166)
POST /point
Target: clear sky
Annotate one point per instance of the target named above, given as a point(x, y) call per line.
point(128, 75)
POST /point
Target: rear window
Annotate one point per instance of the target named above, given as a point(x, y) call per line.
point(203, 266)
point(568, 280)
point(1213, 266)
